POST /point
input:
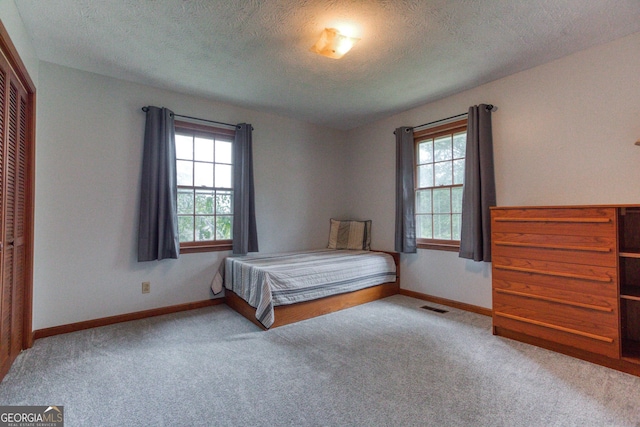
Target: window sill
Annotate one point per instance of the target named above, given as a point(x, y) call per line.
point(448, 246)
point(197, 247)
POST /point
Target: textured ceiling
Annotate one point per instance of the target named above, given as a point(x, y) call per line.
point(256, 53)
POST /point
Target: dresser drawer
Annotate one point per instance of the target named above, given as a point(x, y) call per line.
point(556, 221)
point(555, 276)
point(577, 278)
point(579, 327)
point(560, 295)
point(587, 250)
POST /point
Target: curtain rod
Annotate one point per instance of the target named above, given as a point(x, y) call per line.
point(145, 109)
point(489, 107)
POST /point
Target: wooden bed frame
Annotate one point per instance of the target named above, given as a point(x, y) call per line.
point(286, 314)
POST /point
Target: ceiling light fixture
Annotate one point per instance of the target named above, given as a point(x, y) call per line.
point(333, 44)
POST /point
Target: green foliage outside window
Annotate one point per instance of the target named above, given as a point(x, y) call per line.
point(439, 181)
point(205, 196)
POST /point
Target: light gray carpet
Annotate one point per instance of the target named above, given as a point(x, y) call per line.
point(386, 363)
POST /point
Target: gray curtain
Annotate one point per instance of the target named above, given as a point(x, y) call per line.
point(245, 235)
point(405, 197)
point(158, 222)
point(479, 192)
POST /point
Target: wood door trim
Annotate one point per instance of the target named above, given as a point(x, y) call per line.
point(11, 53)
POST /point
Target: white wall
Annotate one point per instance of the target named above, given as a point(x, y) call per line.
point(88, 159)
point(564, 134)
point(12, 21)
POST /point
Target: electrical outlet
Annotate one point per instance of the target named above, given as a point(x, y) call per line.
point(146, 287)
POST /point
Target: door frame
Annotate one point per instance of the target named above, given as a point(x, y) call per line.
point(8, 49)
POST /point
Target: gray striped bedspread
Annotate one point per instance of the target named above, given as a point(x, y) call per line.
point(266, 281)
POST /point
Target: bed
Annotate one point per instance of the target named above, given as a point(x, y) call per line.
point(277, 289)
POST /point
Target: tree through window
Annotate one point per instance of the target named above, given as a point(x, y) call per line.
point(204, 163)
point(439, 177)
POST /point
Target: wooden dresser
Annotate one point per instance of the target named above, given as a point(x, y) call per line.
point(568, 279)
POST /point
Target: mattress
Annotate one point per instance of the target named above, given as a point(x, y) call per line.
point(270, 280)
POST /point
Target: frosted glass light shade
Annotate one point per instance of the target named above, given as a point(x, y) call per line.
point(332, 44)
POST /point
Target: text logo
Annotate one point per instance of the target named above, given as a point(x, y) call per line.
point(31, 416)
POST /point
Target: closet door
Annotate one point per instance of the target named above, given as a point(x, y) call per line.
point(13, 177)
point(14, 210)
point(7, 301)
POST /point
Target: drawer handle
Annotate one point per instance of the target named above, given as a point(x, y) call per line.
point(556, 300)
point(556, 327)
point(555, 273)
point(597, 220)
point(548, 246)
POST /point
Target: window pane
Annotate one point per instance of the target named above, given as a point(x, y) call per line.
point(224, 227)
point(456, 200)
point(224, 202)
point(456, 221)
point(223, 151)
point(185, 228)
point(224, 176)
point(444, 173)
point(423, 201)
point(459, 145)
point(439, 176)
point(442, 148)
point(205, 202)
point(425, 176)
point(205, 228)
point(203, 174)
point(185, 201)
point(458, 171)
point(185, 172)
point(442, 200)
point(203, 149)
point(442, 227)
point(184, 147)
point(423, 227)
point(425, 152)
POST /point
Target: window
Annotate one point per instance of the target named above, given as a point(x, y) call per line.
point(204, 163)
point(439, 177)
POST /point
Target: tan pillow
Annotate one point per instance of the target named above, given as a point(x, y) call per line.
point(350, 234)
